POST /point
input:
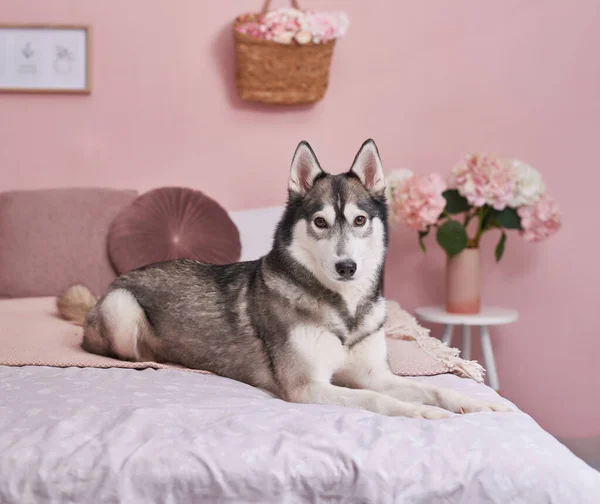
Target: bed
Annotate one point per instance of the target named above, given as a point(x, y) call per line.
point(165, 436)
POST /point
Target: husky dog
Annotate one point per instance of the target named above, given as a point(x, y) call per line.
point(305, 322)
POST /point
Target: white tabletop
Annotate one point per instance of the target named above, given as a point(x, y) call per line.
point(489, 315)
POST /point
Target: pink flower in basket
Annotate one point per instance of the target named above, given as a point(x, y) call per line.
point(418, 200)
point(285, 25)
point(483, 179)
point(327, 25)
point(540, 220)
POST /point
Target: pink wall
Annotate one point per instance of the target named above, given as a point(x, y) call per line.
point(429, 81)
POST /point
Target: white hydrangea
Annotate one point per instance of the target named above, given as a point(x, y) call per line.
point(529, 186)
point(393, 179)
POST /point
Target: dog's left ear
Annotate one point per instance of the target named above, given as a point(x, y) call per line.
point(368, 168)
point(304, 170)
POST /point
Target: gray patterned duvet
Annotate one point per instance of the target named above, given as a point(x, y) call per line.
point(119, 435)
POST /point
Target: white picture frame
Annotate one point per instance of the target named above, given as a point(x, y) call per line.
point(45, 59)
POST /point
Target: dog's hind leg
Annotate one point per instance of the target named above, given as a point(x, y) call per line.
point(94, 339)
point(118, 327)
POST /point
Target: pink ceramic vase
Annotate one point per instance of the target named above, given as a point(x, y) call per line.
point(463, 282)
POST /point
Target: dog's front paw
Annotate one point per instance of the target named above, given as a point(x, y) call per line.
point(474, 406)
point(460, 403)
point(429, 413)
point(500, 408)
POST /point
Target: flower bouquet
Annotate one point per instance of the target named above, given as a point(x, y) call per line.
point(484, 193)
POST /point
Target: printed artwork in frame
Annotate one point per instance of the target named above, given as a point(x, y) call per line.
point(45, 59)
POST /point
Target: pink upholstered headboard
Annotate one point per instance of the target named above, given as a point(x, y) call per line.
point(50, 239)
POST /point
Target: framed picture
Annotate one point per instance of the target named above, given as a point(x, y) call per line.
point(45, 59)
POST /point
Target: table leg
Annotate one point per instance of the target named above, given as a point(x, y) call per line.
point(488, 357)
point(466, 342)
point(447, 334)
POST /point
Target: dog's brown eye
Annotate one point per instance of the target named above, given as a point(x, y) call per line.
point(320, 223)
point(360, 221)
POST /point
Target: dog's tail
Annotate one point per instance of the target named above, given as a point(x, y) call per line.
point(76, 303)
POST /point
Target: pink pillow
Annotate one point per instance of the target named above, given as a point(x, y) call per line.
point(52, 238)
point(172, 223)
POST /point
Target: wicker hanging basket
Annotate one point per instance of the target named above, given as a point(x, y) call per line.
point(274, 73)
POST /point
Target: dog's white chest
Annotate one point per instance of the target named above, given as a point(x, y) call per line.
point(320, 351)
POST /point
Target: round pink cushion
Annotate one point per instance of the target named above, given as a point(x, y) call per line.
point(172, 223)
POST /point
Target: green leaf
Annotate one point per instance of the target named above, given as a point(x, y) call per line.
point(452, 237)
point(507, 218)
point(423, 234)
point(500, 246)
point(455, 203)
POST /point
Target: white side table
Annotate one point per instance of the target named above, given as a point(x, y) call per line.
point(489, 316)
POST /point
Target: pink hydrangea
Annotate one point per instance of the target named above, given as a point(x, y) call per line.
point(540, 220)
point(483, 179)
point(418, 200)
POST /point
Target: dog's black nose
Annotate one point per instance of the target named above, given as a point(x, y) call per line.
point(345, 269)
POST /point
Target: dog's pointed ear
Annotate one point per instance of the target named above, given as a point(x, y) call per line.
point(368, 168)
point(304, 170)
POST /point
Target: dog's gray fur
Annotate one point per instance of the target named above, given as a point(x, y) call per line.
point(287, 323)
